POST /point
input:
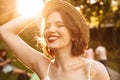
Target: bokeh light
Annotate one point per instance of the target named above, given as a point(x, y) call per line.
point(29, 8)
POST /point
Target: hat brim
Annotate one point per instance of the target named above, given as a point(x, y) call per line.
point(54, 5)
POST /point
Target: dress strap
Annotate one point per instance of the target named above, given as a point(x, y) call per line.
point(89, 70)
point(48, 69)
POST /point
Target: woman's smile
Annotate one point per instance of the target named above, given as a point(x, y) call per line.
point(52, 38)
point(56, 34)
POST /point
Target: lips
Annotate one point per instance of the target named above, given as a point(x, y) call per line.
point(52, 38)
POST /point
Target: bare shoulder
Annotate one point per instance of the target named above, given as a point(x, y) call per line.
point(99, 71)
point(97, 65)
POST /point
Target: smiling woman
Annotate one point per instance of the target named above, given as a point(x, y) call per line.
point(66, 35)
point(30, 8)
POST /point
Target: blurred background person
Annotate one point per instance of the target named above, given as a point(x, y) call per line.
point(6, 67)
point(101, 53)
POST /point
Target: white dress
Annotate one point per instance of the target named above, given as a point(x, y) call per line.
point(48, 78)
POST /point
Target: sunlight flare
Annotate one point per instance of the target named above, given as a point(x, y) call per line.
point(30, 8)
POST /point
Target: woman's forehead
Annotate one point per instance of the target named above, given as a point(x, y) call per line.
point(55, 16)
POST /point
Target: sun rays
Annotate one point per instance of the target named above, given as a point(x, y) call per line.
point(30, 8)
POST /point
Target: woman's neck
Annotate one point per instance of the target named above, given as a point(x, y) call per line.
point(63, 55)
point(64, 58)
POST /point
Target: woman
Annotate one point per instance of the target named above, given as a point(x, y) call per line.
point(66, 35)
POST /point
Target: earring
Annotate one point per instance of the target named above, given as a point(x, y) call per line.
point(73, 39)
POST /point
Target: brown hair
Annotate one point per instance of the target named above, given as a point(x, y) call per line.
point(74, 21)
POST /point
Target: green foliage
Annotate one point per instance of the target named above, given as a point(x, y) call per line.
point(114, 59)
point(116, 17)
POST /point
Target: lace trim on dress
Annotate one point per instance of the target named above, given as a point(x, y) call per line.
point(47, 77)
point(89, 70)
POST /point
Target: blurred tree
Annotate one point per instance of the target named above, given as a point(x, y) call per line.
point(116, 21)
point(100, 13)
point(95, 12)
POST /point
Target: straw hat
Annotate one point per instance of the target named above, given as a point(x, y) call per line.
point(52, 5)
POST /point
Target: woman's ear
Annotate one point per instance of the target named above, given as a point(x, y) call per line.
point(73, 39)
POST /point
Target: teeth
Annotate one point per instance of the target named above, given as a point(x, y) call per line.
point(52, 38)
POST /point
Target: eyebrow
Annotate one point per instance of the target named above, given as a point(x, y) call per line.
point(55, 22)
point(59, 22)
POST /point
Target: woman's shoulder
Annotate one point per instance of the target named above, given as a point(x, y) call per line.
point(95, 65)
point(98, 70)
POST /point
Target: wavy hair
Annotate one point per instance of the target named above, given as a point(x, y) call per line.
point(78, 44)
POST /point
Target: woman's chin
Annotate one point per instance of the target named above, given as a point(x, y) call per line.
point(53, 46)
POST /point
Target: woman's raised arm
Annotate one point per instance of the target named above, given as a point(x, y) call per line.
point(29, 56)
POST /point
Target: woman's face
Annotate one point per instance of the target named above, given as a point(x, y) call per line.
point(56, 34)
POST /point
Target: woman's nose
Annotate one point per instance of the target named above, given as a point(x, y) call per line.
point(52, 28)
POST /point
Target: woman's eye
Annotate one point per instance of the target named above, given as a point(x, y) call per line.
point(60, 25)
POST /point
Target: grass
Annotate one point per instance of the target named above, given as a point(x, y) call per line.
point(14, 62)
point(8, 76)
